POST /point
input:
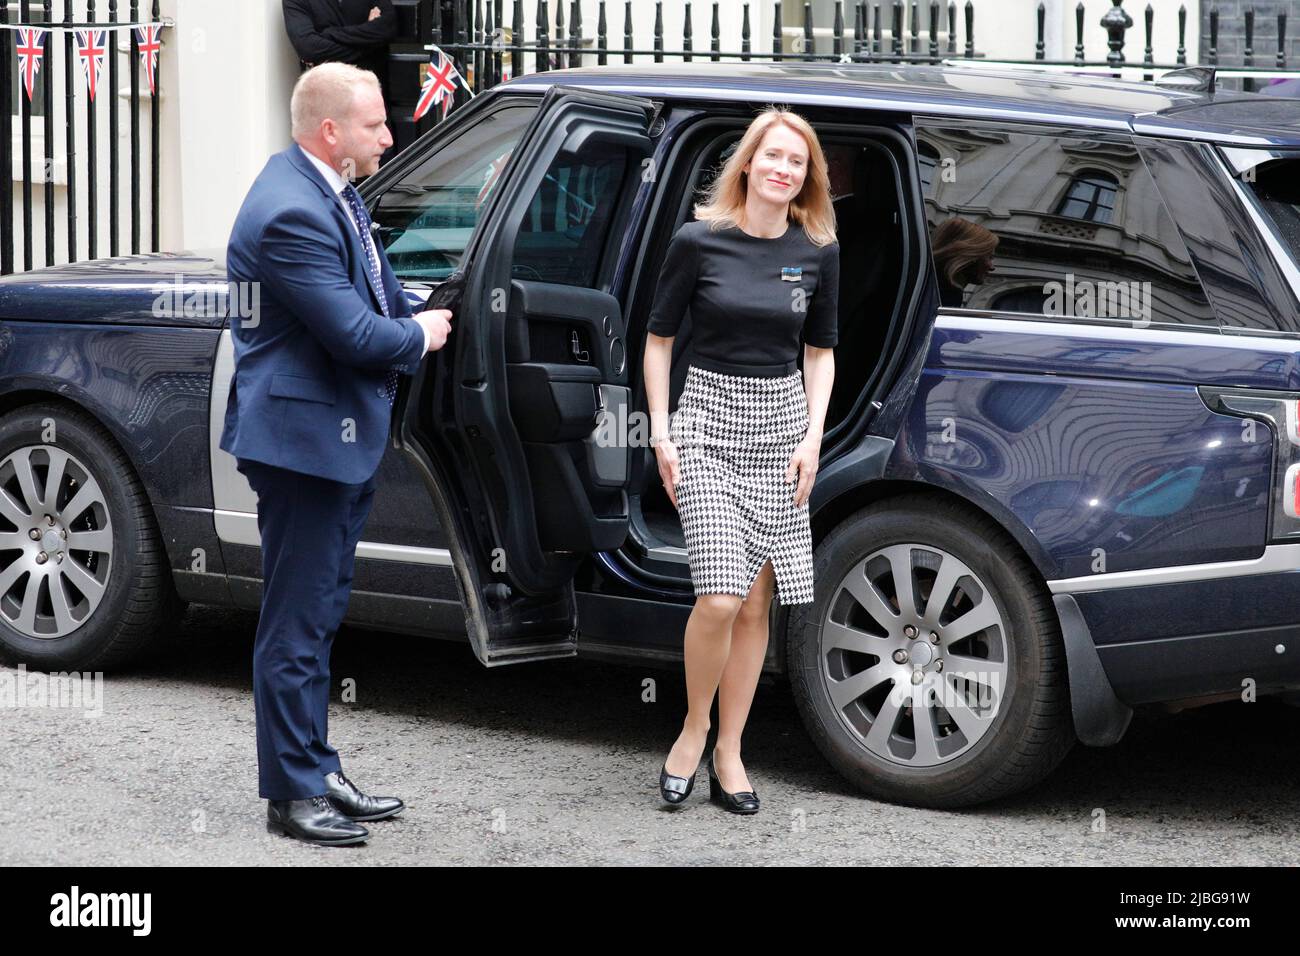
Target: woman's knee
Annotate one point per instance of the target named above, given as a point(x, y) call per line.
point(718, 608)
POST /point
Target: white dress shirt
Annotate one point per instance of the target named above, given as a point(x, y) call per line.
point(338, 184)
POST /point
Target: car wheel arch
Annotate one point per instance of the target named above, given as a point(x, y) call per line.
point(834, 511)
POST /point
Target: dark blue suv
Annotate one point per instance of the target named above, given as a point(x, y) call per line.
point(1060, 472)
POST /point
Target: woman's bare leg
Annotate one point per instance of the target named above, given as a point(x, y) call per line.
point(739, 679)
point(708, 640)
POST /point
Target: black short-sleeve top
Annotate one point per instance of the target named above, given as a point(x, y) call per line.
point(751, 299)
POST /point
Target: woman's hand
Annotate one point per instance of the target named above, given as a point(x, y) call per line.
point(804, 463)
point(669, 467)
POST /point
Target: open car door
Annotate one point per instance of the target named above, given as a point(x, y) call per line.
point(516, 423)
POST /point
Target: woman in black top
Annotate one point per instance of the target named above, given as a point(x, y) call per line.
point(759, 271)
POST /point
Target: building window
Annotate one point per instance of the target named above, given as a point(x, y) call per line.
point(1091, 197)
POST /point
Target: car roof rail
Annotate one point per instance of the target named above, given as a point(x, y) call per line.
point(1193, 79)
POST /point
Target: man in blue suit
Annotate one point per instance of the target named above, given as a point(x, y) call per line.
point(307, 419)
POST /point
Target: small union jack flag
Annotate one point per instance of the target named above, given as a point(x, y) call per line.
point(490, 177)
point(149, 44)
point(92, 45)
point(439, 84)
point(31, 47)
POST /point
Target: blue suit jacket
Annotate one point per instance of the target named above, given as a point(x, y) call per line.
point(308, 390)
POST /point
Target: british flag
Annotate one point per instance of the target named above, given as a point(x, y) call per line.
point(439, 84)
point(491, 175)
point(31, 47)
point(148, 43)
point(92, 45)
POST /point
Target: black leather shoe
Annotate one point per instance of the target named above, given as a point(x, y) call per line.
point(742, 801)
point(313, 820)
point(675, 789)
point(357, 805)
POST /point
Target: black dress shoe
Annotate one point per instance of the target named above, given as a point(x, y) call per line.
point(742, 801)
point(313, 820)
point(357, 805)
point(675, 789)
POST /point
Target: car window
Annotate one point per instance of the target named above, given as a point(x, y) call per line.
point(426, 219)
point(1275, 185)
point(562, 237)
point(1054, 225)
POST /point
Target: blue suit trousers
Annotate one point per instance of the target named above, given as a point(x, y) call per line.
point(309, 527)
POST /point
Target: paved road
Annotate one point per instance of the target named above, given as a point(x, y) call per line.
point(558, 763)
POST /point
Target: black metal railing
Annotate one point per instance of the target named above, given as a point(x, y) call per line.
point(42, 16)
point(1117, 22)
point(475, 36)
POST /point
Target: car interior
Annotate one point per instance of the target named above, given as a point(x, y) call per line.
point(873, 294)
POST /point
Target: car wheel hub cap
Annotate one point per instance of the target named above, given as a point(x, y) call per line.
point(914, 655)
point(56, 542)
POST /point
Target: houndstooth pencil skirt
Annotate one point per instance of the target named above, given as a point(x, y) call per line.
point(735, 435)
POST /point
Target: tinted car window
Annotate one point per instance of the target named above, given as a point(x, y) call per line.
point(425, 220)
point(1275, 185)
point(1054, 225)
point(563, 233)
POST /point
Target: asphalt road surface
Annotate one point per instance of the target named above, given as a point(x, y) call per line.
point(557, 763)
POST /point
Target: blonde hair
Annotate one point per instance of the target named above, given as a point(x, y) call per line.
point(326, 92)
point(724, 203)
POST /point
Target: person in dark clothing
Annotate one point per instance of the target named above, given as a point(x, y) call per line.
point(342, 31)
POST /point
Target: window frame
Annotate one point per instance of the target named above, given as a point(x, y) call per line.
point(1285, 260)
point(1092, 176)
point(442, 136)
point(624, 195)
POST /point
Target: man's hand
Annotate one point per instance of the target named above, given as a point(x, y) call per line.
point(438, 324)
point(375, 13)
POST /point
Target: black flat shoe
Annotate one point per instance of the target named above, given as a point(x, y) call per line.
point(351, 802)
point(743, 801)
point(675, 789)
point(313, 820)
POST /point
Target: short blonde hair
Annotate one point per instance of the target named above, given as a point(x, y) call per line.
point(326, 92)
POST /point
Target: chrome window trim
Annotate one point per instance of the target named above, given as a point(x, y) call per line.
point(992, 321)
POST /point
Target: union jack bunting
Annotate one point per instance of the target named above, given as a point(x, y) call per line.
point(149, 44)
point(30, 47)
point(439, 84)
point(92, 45)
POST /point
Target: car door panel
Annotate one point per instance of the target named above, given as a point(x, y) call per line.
point(505, 419)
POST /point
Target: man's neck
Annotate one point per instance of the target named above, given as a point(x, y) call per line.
point(316, 151)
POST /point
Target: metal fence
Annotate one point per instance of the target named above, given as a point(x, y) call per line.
point(481, 43)
point(49, 78)
point(1117, 22)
